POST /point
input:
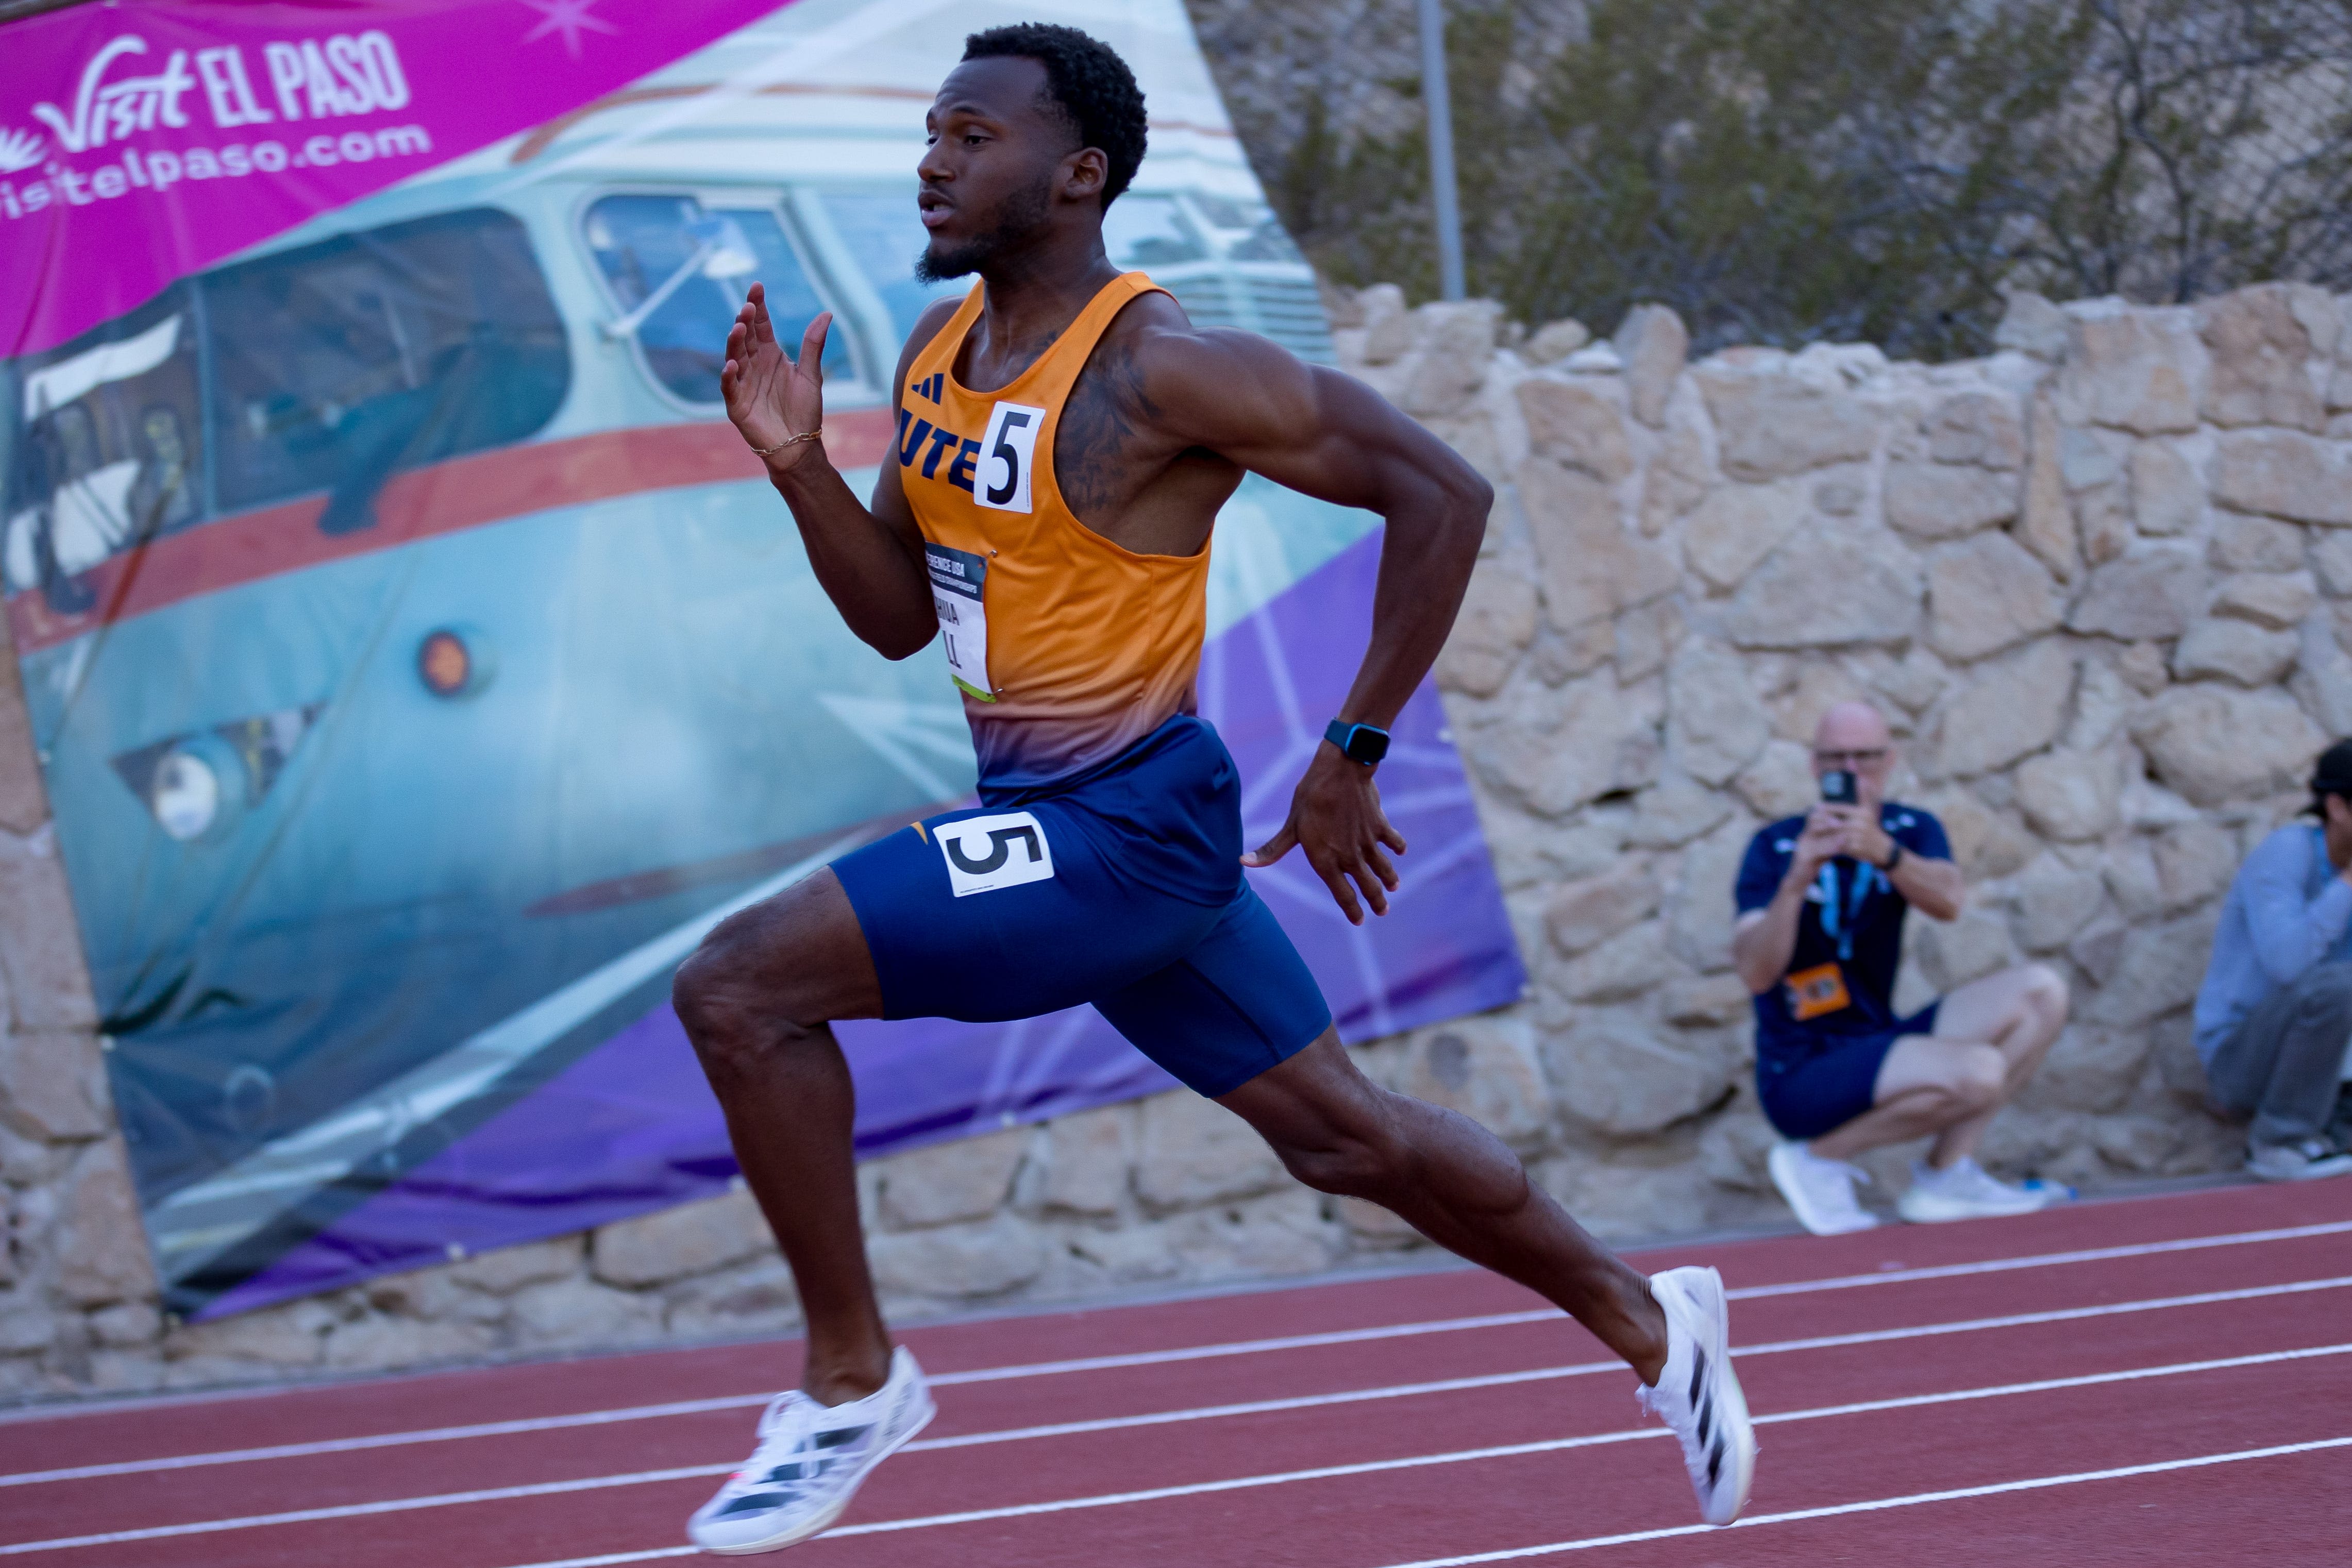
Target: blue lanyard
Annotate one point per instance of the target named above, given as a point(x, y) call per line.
point(1839, 928)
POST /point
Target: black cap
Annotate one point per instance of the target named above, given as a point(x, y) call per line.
point(2333, 776)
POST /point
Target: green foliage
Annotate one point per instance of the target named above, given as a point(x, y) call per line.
point(1884, 170)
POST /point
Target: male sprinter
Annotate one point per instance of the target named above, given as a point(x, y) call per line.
point(1067, 438)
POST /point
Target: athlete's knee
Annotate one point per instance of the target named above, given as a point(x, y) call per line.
point(1976, 1079)
point(726, 997)
point(1365, 1160)
point(2044, 997)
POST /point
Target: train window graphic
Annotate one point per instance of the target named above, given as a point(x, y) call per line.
point(419, 664)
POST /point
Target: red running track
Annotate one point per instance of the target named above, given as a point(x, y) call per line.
point(2155, 1381)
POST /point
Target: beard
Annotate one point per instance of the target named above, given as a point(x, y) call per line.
point(1017, 223)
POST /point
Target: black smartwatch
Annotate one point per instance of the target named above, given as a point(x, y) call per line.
point(1893, 856)
point(1361, 743)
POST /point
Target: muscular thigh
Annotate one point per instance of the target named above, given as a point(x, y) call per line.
point(1927, 1061)
point(1983, 1008)
point(801, 951)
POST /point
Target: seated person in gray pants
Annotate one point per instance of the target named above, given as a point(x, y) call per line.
point(2274, 1015)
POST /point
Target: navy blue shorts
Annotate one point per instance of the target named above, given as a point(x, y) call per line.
point(1828, 1080)
point(1124, 890)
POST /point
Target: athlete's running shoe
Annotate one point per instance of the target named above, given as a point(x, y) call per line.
point(1965, 1190)
point(1698, 1393)
point(1819, 1190)
point(810, 1460)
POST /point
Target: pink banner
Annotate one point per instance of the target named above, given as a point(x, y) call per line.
point(144, 140)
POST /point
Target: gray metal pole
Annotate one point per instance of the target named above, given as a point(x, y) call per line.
point(1446, 199)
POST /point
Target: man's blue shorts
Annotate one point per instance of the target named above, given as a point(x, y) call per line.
point(1124, 890)
point(1808, 1093)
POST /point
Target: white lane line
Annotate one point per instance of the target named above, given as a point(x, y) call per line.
point(611, 1558)
point(1955, 1494)
point(1140, 1358)
point(641, 1477)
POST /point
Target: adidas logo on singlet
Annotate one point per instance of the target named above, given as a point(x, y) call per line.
point(930, 387)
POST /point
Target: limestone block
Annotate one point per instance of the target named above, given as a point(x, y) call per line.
point(1653, 343)
point(2244, 543)
point(1986, 842)
point(1771, 422)
point(1986, 594)
point(2151, 592)
point(2323, 678)
point(1087, 1159)
point(2148, 804)
point(2071, 796)
point(1680, 476)
point(511, 1267)
point(2261, 353)
point(1283, 1233)
point(756, 1298)
point(1388, 323)
point(1647, 636)
point(1839, 585)
point(1706, 1002)
point(1529, 850)
point(2234, 651)
point(2055, 901)
point(378, 1344)
point(1625, 966)
point(1945, 501)
point(1583, 915)
point(966, 1179)
point(127, 1324)
point(2091, 1069)
point(1194, 1150)
point(2045, 522)
point(1980, 427)
point(1554, 340)
point(2103, 522)
point(1675, 811)
point(2142, 668)
point(1913, 681)
point(2129, 369)
point(1953, 953)
point(1593, 566)
point(1780, 782)
point(1819, 684)
point(1453, 344)
point(2160, 968)
point(2195, 861)
point(2279, 600)
point(40, 946)
point(2283, 473)
point(1714, 723)
point(671, 1243)
point(1613, 1073)
point(1698, 908)
point(1496, 622)
point(23, 801)
point(960, 1262)
point(2030, 324)
point(290, 1336)
point(2332, 554)
point(2167, 498)
point(1736, 526)
point(1551, 752)
point(2214, 744)
point(46, 1081)
point(1557, 655)
point(1575, 423)
point(101, 1251)
point(2014, 707)
point(1487, 1068)
point(1372, 1226)
point(2130, 871)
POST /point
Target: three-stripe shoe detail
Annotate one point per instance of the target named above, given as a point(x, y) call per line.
point(1698, 1393)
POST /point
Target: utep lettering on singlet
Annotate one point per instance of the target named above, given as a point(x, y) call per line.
point(924, 434)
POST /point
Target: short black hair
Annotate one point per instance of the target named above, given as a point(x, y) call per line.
point(1087, 80)
point(2331, 775)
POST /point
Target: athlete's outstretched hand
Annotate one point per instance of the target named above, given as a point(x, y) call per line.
point(770, 396)
point(1336, 817)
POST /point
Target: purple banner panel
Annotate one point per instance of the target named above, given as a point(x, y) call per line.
point(632, 1128)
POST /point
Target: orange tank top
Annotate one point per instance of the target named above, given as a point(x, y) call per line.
point(1067, 648)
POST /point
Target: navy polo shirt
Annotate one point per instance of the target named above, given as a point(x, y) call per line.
point(1876, 922)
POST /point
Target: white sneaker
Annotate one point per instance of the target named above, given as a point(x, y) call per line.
point(1967, 1191)
point(1698, 1393)
point(1819, 1190)
point(810, 1460)
point(2306, 1161)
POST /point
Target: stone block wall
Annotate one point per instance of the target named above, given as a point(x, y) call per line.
point(2101, 583)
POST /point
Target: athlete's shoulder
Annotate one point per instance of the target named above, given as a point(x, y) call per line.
point(1198, 379)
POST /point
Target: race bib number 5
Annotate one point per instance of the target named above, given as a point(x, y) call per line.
point(1006, 450)
point(985, 853)
point(959, 584)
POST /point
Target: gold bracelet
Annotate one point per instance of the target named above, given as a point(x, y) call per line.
point(788, 440)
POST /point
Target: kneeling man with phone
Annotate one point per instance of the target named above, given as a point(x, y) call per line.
point(1821, 903)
